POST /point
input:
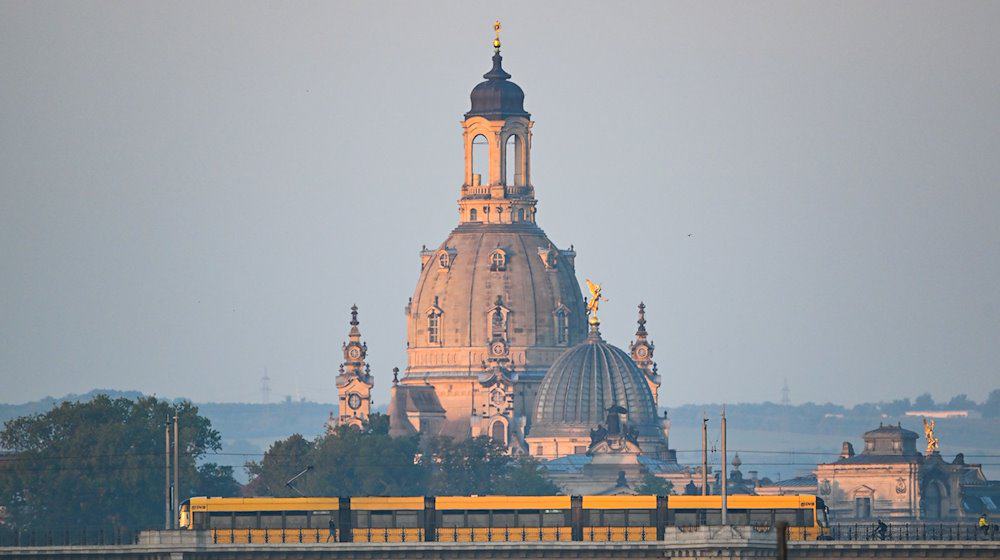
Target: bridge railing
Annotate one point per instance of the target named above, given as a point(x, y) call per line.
point(917, 531)
point(69, 536)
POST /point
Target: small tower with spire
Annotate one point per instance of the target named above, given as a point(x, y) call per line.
point(354, 381)
point(642, 354)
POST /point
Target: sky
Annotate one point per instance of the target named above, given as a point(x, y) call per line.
point(193, 194)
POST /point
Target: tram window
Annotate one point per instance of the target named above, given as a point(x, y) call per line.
point(686, 518)
point(381, 519)
point(407, 519)
point(270, 520)
point(200, 520)
point(737, 517)
point(760, 517)
point(613, 518)
point(452, 519)
point(479, 518)
point(503, 519)
point(713, 516)
point(553, 518)
point(786, 515)
point(221, 521)
point(638, 518)
point(246, 520)
point(321, 520)
point(807, 517)
point(529, 518)
point(296, 520)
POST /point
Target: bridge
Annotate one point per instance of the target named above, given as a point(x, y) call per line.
point(703, 542)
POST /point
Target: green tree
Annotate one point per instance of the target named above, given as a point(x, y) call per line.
point(101, 463)
point(525, 476)
point(367, 462)
point(924, 402)
point(480, 465)
point(652, 484)
point(345, 462)
point(991, 408)
point(282, 461)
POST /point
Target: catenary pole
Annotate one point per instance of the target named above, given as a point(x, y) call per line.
point(704, 454)
point(724, 473)
point(177, 488)
point(166, 474)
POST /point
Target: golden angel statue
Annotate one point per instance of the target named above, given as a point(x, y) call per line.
point(932, 442)
point(594, 302)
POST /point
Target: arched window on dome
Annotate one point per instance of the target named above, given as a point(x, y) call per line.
point(434, 328)
point(480, 160)
point(473, 215)
point(498, 260)
point(562, 326)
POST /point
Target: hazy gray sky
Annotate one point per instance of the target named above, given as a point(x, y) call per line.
point(193, 192)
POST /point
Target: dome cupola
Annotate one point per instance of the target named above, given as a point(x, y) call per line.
point(583, 383)
point(498, 97)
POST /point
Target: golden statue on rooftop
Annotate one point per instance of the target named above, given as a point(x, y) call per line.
point(594, 302)
point(932, 442)
point(496, 29)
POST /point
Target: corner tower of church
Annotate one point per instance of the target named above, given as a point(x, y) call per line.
point(497, 302)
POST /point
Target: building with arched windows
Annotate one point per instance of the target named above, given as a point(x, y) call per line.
point(498, 336)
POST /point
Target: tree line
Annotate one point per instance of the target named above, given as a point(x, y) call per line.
point(101, 463)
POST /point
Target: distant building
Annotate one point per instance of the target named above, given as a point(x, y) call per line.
point(890, 479)
point(943, 414)
point(500, 341)
point(805, 484)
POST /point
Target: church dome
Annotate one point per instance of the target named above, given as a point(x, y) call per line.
point(498, 97)
point(583, 383)
point(510, 274)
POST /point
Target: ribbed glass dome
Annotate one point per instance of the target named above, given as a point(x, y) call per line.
point(583, 383)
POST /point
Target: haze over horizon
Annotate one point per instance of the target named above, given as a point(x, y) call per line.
point(194, 195)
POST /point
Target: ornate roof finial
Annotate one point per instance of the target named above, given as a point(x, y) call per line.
point(641, 332)
point(395, 376)
point(496, 41)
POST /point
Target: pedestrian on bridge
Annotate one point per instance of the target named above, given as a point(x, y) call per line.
point(333, 531)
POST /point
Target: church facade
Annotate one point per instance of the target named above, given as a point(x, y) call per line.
point(500, 341)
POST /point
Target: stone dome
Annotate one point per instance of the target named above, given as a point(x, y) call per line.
point(497, 98)
point(583, 383)
point(484, 270)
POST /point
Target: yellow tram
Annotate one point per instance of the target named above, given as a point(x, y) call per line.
point(490, 518)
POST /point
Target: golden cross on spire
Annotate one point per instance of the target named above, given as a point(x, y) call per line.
point(496, 29)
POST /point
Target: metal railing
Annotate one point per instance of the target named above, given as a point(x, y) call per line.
point(75, 536)
point(915, 531)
